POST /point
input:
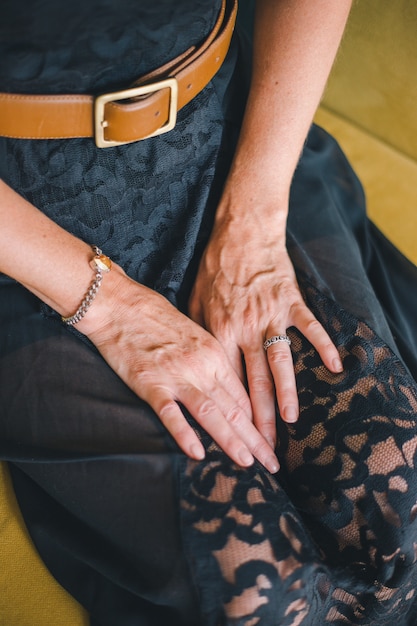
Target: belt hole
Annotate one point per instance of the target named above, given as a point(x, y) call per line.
point(189, 86)
point(157, 113)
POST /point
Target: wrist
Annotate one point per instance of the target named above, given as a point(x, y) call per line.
point(251, 218)
point(101, 265)
point(249, 194)
point(104, 309)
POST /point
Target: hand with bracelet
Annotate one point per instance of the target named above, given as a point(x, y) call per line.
point(169, 360)
point(157, 351)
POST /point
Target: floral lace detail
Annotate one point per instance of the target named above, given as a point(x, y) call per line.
point(87, 47)
point(331, 539)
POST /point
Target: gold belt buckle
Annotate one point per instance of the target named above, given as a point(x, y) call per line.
point(101, 101)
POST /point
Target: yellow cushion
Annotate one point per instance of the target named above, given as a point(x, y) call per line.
point(370, 107)
point(373, 83)
point(29, 595)
point(388, 176)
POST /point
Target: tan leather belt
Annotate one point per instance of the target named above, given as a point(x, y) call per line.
point(152, 102)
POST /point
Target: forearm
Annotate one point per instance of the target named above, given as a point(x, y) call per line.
point(295, 43)
point(42, 256)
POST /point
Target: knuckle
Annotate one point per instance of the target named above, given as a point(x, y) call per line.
point(144, 379)
point(266, 422)
point(311, 321)
point(173, 420)
point(298, 305)
point(279, 356)
point(313, 326)
point(262, 384)
point(234, 415)
point(210, 344)
point(259, 449)
point(290, 293)
point(168, 411)
point(206, 408)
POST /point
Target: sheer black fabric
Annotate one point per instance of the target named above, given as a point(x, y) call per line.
point(136, 532)
point(332, 540)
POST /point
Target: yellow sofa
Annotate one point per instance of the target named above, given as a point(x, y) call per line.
point(29, 596)
point(370, 107)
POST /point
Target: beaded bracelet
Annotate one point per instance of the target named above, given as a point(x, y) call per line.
point(100, 264)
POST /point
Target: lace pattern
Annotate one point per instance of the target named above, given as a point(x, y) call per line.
point(116, 42)
point(331, 538)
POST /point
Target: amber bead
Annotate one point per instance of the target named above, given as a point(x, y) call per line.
point(103, 262)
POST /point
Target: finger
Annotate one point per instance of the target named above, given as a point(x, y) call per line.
point(262, 394)
point(244, 428)
point(205, 411)
point(282, 369)
point(311, 328)
point(230, 428)
point(174, 421)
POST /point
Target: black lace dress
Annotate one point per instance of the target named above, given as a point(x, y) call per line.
point(138, 533)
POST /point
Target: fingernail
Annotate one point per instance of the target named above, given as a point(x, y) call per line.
point(245, 457)
point(272, 464)
point(290, 414)
point(197, 452)
point(337, 365)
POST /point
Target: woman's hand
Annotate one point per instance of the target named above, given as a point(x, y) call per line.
point(246, 289)
point(168, 360)
point(246, 292)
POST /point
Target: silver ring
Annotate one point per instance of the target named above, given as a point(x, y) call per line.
point(276, 339)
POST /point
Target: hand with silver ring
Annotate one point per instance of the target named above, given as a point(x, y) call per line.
point(247, 302)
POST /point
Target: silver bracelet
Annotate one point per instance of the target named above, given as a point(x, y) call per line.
point(101, 264)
